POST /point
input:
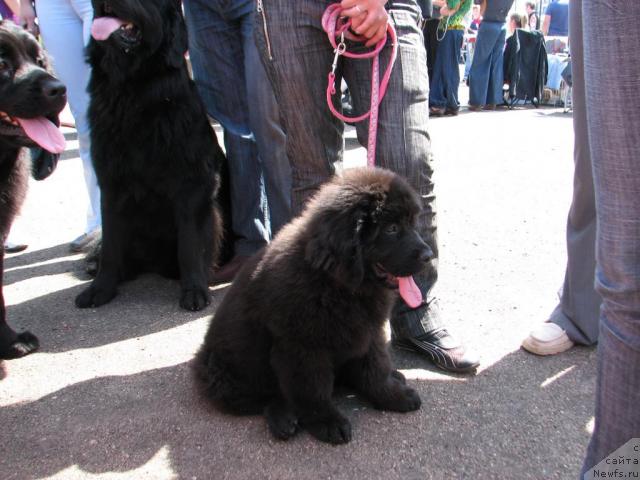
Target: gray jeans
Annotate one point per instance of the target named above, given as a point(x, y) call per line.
point(298, 56)
point(579, 309)
point(613, 116)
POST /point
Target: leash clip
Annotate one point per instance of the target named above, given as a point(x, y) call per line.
point(340, 49)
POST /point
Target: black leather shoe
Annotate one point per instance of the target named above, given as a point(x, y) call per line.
point(442, 349)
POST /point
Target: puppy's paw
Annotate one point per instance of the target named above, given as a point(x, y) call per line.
point(94, 297)
point(194, 299)
point(335, 430)
point(408, 400)
point(283, 424)
point(24, 344)
point(398, 376)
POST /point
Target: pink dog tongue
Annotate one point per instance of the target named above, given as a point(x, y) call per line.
point(409, 291)
point(104, 26)
point(44, 133)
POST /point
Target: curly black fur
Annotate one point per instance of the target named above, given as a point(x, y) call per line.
point(310, 309)
point(155, 154)
point(27, 90)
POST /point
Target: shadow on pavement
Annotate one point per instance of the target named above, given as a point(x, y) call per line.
point(152, 423)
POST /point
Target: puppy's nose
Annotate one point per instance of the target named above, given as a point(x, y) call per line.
point(53, 88)
point(425, 254)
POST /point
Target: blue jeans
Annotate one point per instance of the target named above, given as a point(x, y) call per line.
point(613, 109)
point(486, 77)
point(298, 57)
point(236, 92)
point(446, 73)
point(65, 26)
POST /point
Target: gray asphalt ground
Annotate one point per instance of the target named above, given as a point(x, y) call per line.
point(110, 396)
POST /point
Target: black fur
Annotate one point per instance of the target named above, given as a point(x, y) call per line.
point(27, 90)
point(309, 310)
point(155, 154)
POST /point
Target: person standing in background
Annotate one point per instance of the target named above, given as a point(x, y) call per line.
point(443, 97)
point(431, 15)
point(236, 92)
point(532, 15)
point(556, 19)
point(486, 76)
point(65, 28)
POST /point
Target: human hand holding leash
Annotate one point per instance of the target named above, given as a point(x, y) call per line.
point(368, 18)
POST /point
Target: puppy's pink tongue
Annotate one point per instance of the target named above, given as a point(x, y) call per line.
point(409, 291)
point(44, 133)
point(102, 27)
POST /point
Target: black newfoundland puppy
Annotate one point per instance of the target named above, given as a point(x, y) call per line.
point(156, 156)
point(309, 311)
point(30, 100)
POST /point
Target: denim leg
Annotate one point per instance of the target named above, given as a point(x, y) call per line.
point(496, 76)
point(264, 116)
point(486, 43)
point(437, 95)
point(220, 32)
point(65, 27)
point(613, 108)
point(444, 88)
point(297, 58)
point(579, 310)
point(404, 144)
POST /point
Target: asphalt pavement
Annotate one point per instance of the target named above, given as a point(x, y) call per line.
point(110, 394)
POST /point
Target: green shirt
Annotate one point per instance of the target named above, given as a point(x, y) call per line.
point(455, 21)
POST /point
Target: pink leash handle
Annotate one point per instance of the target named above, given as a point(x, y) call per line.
point(336, 26)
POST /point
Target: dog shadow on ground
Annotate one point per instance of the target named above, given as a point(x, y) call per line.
point(154, 425)
point(53, 261)
point(145, 305)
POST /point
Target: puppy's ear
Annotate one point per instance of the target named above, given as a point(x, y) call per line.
point(336, 247)
point(176, 39)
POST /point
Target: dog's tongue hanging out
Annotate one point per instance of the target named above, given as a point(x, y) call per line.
point(102, 27)
point(44, 133)
point(409, 291)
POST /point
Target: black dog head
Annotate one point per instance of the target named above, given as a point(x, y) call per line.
point(132, 33)
point(363, 229)
point(30, 96)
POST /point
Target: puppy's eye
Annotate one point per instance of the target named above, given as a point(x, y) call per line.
point(3, 66)
point(41, 63)
point(391, 229)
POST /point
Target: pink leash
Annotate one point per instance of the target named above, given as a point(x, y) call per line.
point(337, 26)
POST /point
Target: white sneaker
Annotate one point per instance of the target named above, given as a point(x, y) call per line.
point(547, 339)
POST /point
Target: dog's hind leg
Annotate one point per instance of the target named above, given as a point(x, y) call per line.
point(12, 344)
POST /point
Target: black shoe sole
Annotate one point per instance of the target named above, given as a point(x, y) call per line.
point(419, 351)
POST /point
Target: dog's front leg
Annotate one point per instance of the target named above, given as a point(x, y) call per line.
point(192, 254)
point(114, 234)
point(12, 344)
point(306, 382)
point(373, 377)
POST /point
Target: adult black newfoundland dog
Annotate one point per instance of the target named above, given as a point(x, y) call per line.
point(30, 100)
point(156, 157)
point(309, 310)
